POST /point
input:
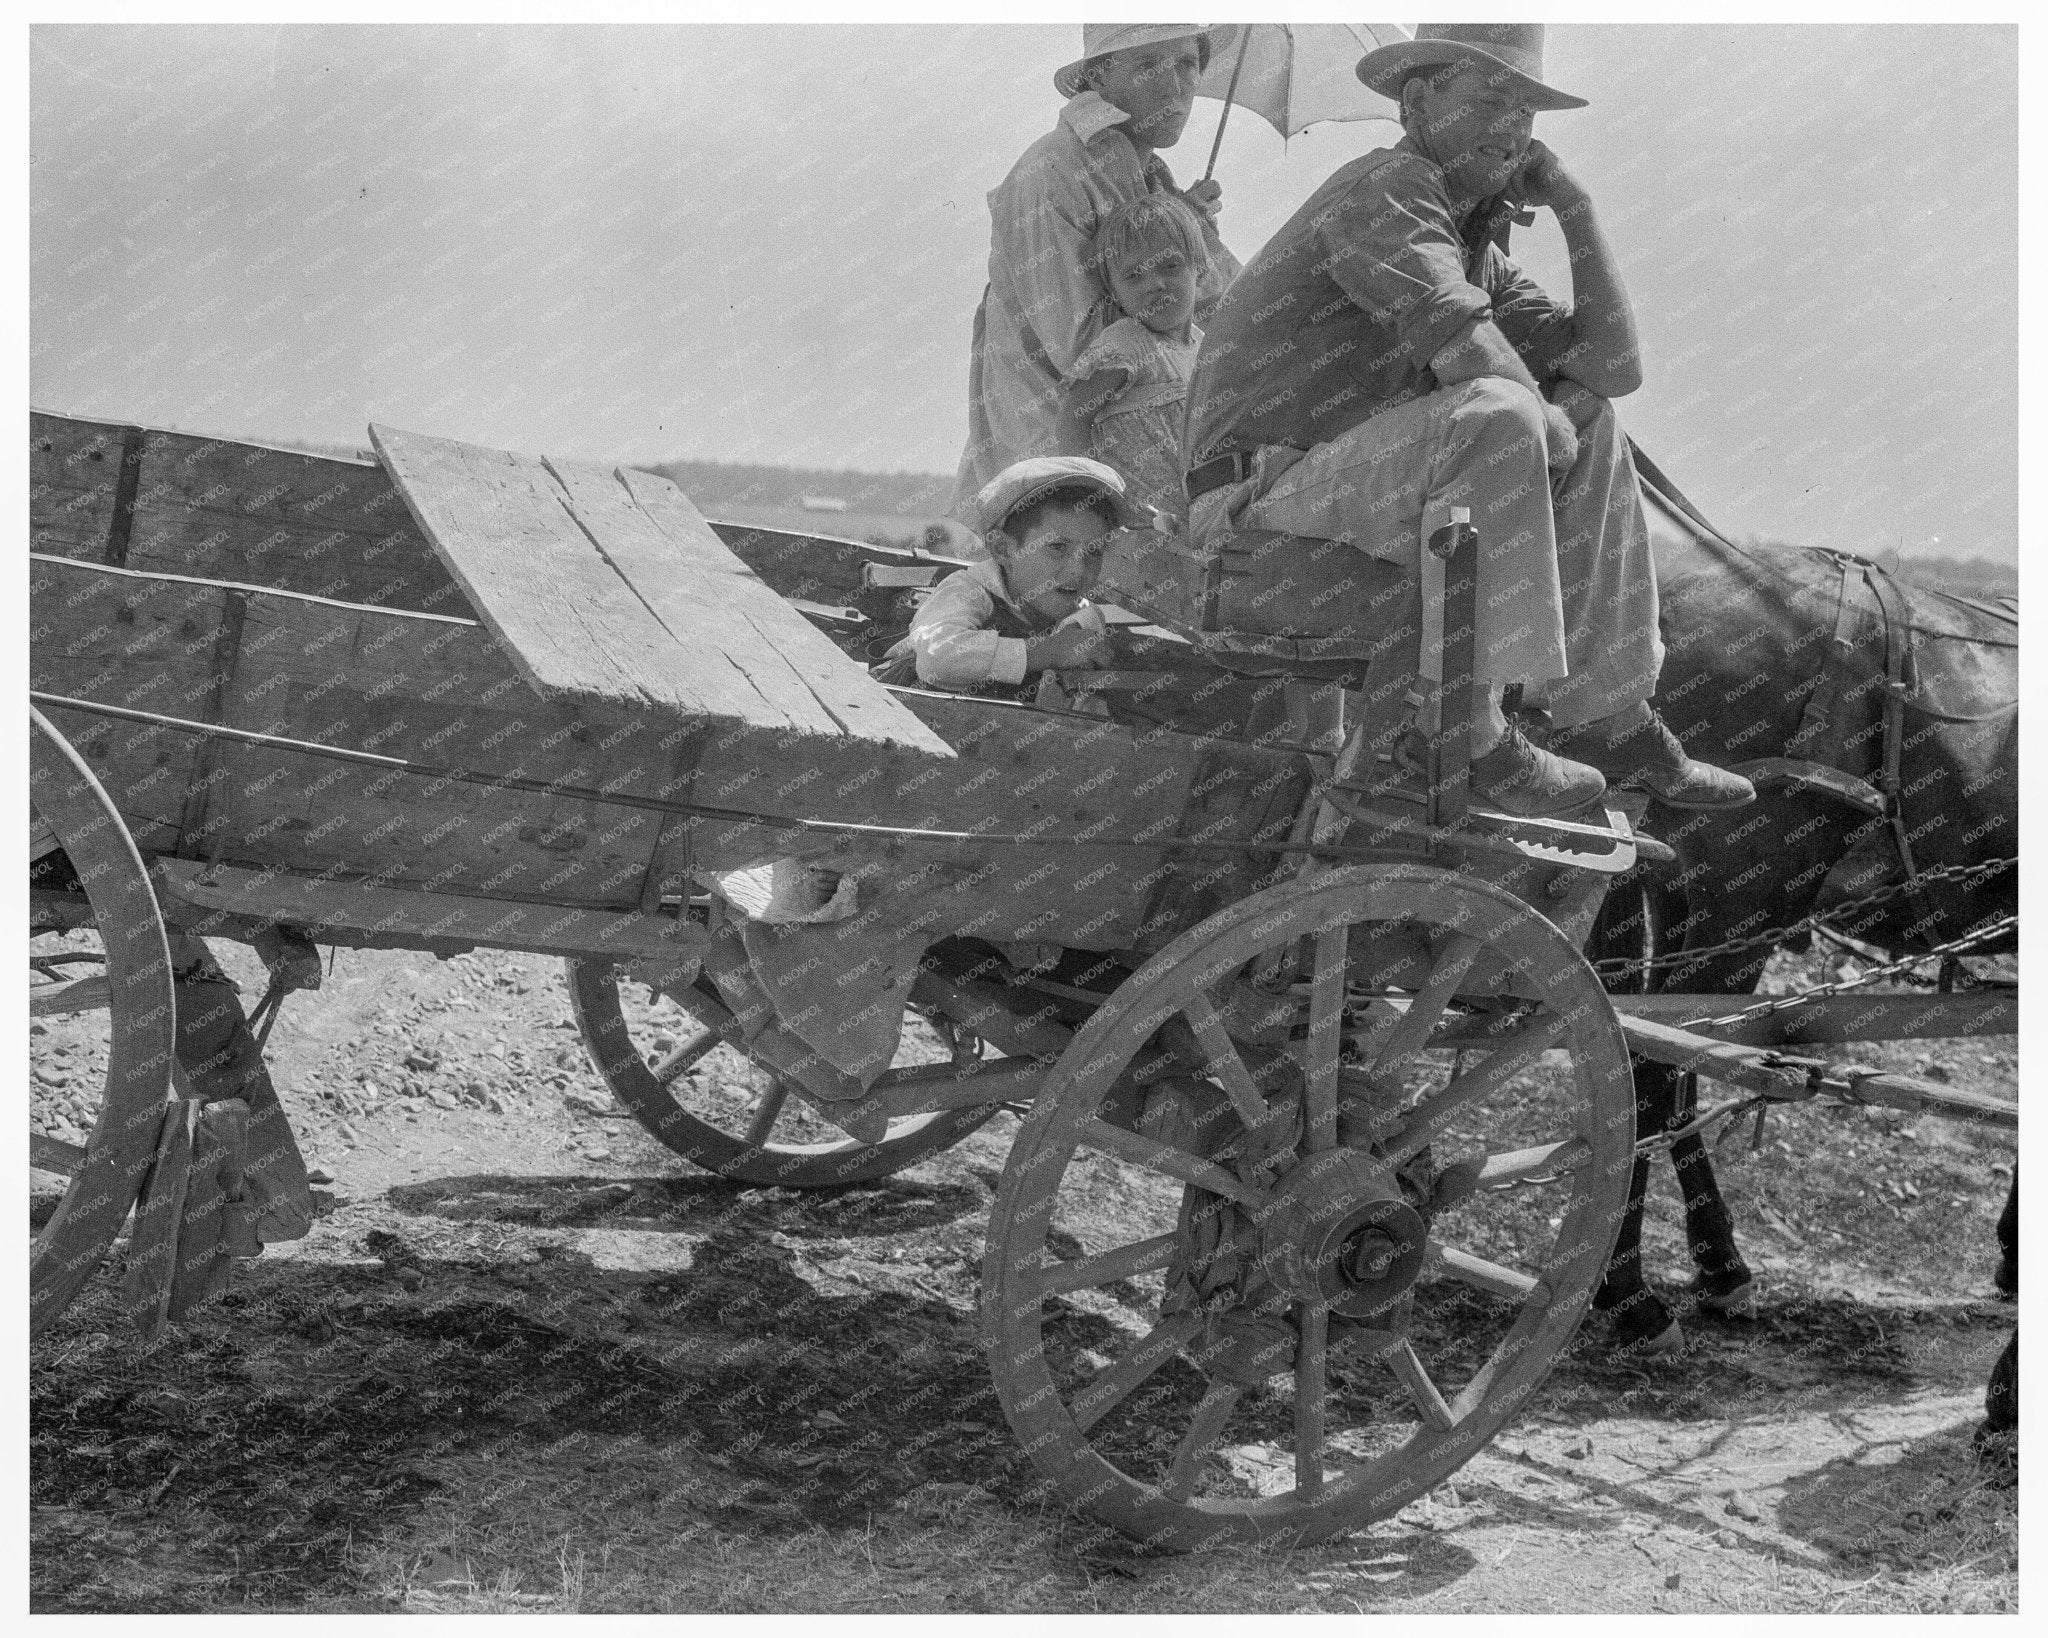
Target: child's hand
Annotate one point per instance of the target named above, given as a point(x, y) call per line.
point(1206, 196)
point(1074, 644)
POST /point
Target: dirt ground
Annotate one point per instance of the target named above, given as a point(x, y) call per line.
point(528, 1359)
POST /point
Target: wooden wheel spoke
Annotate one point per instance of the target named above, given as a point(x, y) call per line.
point(1464, 1178)
point(680, 1060)
point(1411, 1034)
point(1169, 1161)
point(87, 993)
point(1325, 1039)
point(55, 1155)
point(1204, 1434)
point(1311, 1399)
point(1122, 1377)
point(1492, 1278)
point(1222, 1060)
point(767, 1112)
point(1431, 1405)
point(1432, 1117)
point(1105, 1267)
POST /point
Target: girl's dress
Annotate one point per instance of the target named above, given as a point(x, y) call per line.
point(1139, 431)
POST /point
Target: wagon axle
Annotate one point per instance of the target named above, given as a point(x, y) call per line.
point(1336, 1233)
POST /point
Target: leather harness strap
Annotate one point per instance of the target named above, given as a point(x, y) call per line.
point(1901, 683)
point(1818, 741)
point(1820, 734)
point(1823, 736)
point(1230, 467)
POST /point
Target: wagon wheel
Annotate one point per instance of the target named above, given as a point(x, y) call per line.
point(105, 892)
point(769, 1140)
point(1264, 1333)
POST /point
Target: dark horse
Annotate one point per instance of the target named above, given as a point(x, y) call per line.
point(1878, 719)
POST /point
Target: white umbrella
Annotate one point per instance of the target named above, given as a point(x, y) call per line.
point(1294, 75)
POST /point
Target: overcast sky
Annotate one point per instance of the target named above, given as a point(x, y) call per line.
point(766, 244)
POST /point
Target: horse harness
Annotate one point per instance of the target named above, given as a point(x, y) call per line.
point(1826, 726)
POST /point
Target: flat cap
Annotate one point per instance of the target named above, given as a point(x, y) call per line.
point(1022, 482)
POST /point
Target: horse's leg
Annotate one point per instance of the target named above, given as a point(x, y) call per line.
point(1721, 1279)
point(1642, 1321)
point(1804, 845)
point(1997, 1440)
point(2007, 1279)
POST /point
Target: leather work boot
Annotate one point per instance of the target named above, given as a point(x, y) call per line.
point(1633, 747)
point(1530, 782)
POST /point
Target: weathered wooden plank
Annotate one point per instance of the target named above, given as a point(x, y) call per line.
point(1072, 780)
point(423, 687)
point(321, 904)
point(239, 479)
point(797, 667)
point(687, 591)
point(443, 694)
point(393, 570)
point(133, 640)
point(230, 510)
point(1751, 1067)
point(501, 527)
point(73, 469)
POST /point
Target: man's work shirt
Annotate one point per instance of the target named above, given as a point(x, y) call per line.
point(1338, 317)
point(1044, 305)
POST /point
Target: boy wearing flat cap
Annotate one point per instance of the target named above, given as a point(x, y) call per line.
point(991, 625)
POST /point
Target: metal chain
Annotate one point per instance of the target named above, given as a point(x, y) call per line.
point(1731, 1112)
point(1883, 970)
point(1625, 966)
point(1816, 1079)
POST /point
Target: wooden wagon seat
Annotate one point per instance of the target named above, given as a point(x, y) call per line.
point(1267, 603)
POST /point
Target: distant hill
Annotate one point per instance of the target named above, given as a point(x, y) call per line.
point(910, 495)
point(1985, 577)
point(891, 508)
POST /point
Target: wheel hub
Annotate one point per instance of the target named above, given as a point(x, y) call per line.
point(1336, 1231)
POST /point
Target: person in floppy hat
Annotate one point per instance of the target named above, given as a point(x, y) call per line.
point(1128, 96)
point(1382, 361)
point(987, 627)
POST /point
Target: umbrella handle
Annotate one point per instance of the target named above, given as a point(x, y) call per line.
point(1244, 40)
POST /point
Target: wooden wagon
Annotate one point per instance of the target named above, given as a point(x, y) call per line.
point(1327, 1047)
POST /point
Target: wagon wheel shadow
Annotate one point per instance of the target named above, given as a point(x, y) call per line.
point(1801, 1351)
point(687, 1205)
point(335, 1399)
point(1910, 1505)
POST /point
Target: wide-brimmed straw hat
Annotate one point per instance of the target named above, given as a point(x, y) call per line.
point(1517, 47)
point(1100, 39)
point(1022, 482)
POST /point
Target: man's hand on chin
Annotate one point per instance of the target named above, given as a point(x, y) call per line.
point(1542, 180)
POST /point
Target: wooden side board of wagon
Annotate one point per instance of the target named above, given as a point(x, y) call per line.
point(154, 499)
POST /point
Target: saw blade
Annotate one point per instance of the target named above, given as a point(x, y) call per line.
point(1608, 849)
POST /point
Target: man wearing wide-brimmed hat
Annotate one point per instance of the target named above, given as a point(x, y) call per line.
point(1128, 96)
point(1382, 360)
